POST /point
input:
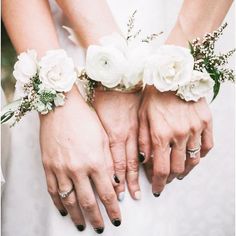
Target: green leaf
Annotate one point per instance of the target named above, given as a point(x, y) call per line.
point(216, 89)
point(190, 47)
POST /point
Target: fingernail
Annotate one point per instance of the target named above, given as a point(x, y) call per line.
point(141, 157)
point(116, 179)
point(137, 195)
point(121, 196)
point(63, 213)
point(180, 177)
point(116, 222)
point(156, 194)
point(80, 227)
point(99, 230)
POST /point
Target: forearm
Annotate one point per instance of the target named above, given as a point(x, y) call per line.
point(89, 19)
point(30, 25)
point(197, 18)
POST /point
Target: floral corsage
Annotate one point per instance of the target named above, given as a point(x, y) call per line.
point(41, 84)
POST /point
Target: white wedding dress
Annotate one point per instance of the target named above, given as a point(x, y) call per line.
point(200, 205)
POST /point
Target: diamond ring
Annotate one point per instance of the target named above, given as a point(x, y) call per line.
point(193, 152)
point(65, 194)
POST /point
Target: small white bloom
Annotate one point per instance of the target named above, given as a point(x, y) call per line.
point(57, 71)
point(59, 100)
point(170, 67)
point(200, 84)
point(26, 66)
point(106, 65)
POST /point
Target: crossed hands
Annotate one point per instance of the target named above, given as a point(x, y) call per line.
point(85, 150)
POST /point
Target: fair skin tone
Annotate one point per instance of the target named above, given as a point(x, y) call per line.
point(164, 120)
point(74, 144)
point(122, 130)
point(168, 125)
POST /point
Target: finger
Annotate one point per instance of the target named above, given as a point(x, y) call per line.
point(107, 195)
point(119, 159)
point(110, 167)
point(132, 169)
point(88, 202)
point(177, 160)
point(191, 161)
point(148, 167)
point(144, 141)
point(161, 168)
point(71, 203)
point(207, 140)
point(53, 191)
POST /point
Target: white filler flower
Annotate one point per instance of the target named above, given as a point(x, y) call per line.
point(170, 67)
point(200, 84)
point(105, 64)
point(26, 66)
point(57, 71)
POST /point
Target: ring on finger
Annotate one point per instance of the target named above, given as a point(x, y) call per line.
point(193, 151)
point(65, 194)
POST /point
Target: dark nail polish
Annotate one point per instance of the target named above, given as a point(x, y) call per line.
point(141, 157)
point(99, 230)
point(116, 222)
point(116, 179)
point(80, 227)
point(180, 177)
point(63, 213)
point(156, 194)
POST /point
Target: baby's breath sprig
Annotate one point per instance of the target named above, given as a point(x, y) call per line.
point(206, 59)
point(130, 26)
point(151, 37)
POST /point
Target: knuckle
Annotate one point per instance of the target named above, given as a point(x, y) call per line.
point(207, 146)
point(143, 141)
point(194, 162)
point(161, 138)
point(196, 128)
point(69, 203)
point(120, 165)
point(207, 119)
point(108, 198)
point(52, 191)
point(161, 173)
point(58, 166)
point(88, 205)
point(132, 165)
point(181, 132)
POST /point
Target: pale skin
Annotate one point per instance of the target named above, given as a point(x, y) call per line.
point(157, 127)
point(167, 126)
point(74, 144)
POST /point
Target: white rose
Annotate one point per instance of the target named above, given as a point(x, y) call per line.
point(26, 66)
point(57, 71)
point(105, 64)
point(200, 84)
point(137, 57)
point(170, 67)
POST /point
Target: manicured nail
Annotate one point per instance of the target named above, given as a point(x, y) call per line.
point(137, 195)
point(141, 157)
point(180, 177)
point(63, 213)
point(156, 194)
point(121, 196)
point(116, 222)
point(80, 227)
point(116, 179)
point(99, 230)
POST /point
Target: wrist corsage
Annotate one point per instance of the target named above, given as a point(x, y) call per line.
point(192, 73)
point(41, 84)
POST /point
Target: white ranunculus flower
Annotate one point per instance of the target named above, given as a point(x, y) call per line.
point(26, 66)
point(57, 71)
point(137, 57)
point(170, 67)
point(200, 84)
point(105, 64)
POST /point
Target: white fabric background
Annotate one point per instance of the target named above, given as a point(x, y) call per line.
point(200, 205)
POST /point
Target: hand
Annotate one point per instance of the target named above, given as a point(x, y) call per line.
point(118, 113)
point(168, 127)
point(75, 150)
